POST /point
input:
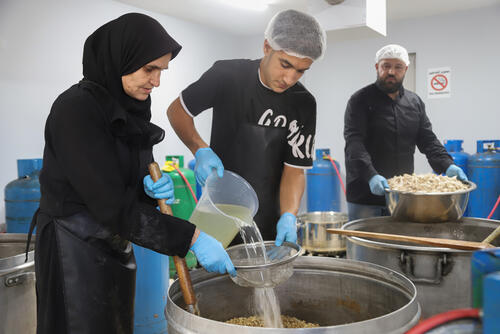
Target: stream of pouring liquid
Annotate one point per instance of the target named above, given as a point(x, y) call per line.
point(266, 303)
point(224, 228)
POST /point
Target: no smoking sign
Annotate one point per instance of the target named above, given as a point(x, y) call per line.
point(438, 83)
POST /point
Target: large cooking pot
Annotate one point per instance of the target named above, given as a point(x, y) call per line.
point(442, 275)
point(312, 235)
point(17, 285)
point(344, 296)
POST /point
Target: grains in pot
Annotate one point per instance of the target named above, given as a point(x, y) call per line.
point(288, 322)
point(426, 183)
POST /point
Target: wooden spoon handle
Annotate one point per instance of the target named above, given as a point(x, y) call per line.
point(493, 235)
point(180, 263)
point(154, 171)
point(449, 243)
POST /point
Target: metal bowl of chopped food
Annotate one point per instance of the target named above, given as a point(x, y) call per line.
point(427, 198)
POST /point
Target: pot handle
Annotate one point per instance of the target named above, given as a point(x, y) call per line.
point(300, 225)
point(19, 279)
point(17, 268)
point(443, 267)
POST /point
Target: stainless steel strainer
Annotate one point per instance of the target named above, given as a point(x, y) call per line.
point(254, 272)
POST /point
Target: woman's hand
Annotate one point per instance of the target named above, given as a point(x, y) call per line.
point(161, 189)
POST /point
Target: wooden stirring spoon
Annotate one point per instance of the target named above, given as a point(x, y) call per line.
point(448, 243)
point(493, 235)
point(180, 263)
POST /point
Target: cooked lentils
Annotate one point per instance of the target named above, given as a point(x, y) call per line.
point(426, 183)
point(288, 322)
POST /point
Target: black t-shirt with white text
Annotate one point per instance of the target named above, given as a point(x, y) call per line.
point(237, 95)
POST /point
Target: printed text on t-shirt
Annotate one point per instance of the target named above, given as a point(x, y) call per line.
point(301, 146)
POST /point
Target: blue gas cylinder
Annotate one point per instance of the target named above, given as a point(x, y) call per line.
point(22, 196)
point(484, 171)
point(454, 148)
point(150, 291)
point(460, 158)
point(485, 274)
point(491, 306)
point(323, 185)
point(483, 262)
point(191, 165)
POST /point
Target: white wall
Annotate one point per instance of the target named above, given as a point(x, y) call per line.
point(41, 47)
point(468, 42)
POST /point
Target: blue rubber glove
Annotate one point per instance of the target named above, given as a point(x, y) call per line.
point(277, 253)
point(161, 189)
point(286, 229)
point(206, 160)
point(377, 185)
point(454, 170)
point(212, 255)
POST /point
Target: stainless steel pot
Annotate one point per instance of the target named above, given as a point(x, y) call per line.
point(312, 235)
point(17, 285)
point(343, 296)
point(442, 275)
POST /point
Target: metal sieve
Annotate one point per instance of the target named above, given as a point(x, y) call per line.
point(252, 270)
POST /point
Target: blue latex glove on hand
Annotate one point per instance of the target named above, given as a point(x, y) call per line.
point(277, 253)
point(286, 229)
point(161, 189)
point(206, 160)
point(454, 170)
point(377, 185)
point(212, 255)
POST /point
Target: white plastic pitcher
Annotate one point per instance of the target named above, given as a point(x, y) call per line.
point(225, 205)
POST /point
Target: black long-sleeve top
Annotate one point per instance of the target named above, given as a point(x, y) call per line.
point(95, 158)
point(381, 135)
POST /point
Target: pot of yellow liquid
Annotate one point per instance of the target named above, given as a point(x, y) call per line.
point(226, 205)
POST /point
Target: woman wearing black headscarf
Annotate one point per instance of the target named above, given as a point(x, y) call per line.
point(98, 144)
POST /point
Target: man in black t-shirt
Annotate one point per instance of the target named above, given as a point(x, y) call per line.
point(263, 122)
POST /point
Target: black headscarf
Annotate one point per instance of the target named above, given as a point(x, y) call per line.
point(121, 47)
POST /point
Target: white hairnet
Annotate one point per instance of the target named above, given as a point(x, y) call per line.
point(297, 34)
point(393, 51)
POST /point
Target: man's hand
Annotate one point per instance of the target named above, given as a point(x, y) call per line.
point(377, 185)
point(286, 229)
point(454, 170)
point(206, 160)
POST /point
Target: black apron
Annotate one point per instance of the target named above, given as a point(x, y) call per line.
point(85, 277)
point(257, 156)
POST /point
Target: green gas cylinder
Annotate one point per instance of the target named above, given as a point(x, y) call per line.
point(184, 203)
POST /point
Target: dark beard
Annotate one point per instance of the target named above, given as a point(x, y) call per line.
point(389, 88)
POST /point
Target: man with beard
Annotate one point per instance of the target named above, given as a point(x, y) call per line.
point(383, 124)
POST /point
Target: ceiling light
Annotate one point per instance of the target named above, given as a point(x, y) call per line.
point(257, 5)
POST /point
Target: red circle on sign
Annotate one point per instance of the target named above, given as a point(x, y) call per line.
point(439, 82)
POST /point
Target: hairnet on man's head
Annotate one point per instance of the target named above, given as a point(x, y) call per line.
point(392, 51)
point(297, 34)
